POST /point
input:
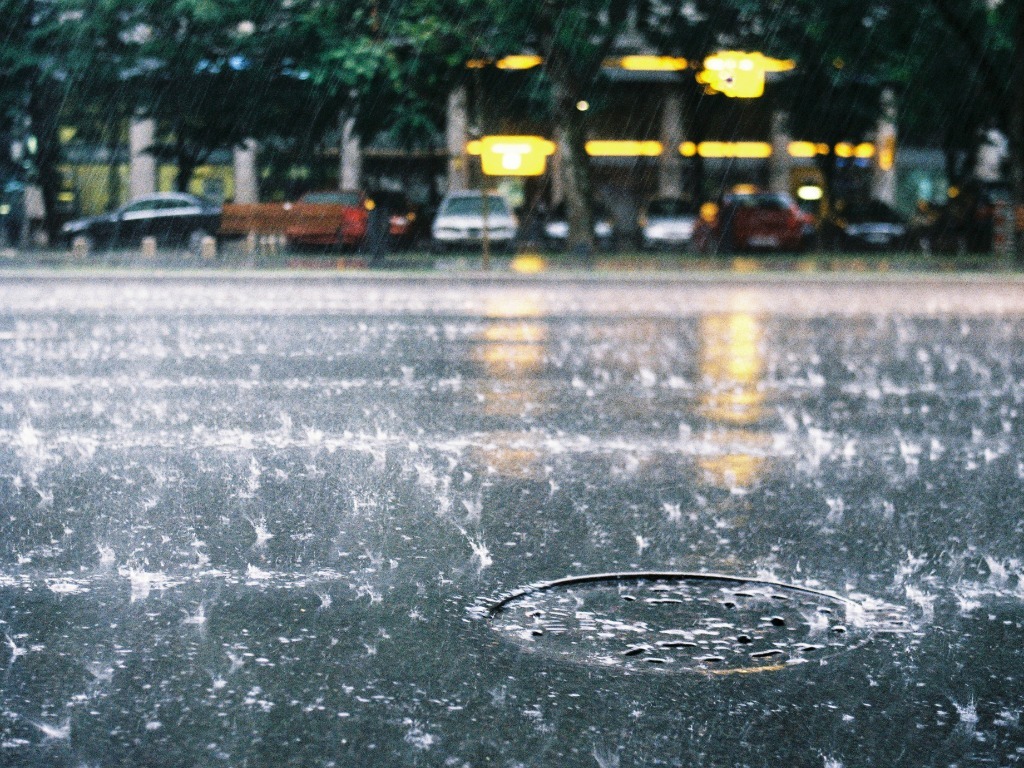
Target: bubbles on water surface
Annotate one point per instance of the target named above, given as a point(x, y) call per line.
point(688, 622)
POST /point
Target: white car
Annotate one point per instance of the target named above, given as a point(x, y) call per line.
point(556, 228)
point(460, 221)
point(667, 222)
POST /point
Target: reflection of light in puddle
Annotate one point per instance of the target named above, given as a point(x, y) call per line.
point(516, 305)
point(742, 460)
point(512, 351)
point(528, 264)
point(731, 364)
point(511, 454)
point(730, 357)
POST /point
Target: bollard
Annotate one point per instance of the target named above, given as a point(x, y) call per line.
point(251, 243)
point(80, 247)
point(208, 248)
point(149, 247)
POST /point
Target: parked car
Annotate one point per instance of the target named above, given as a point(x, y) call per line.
point(328, 219)
point(965, 223)
point(173, 218)
point(556, 227)
point(332, 219)
point(405, 223)
point(753, 221)
point(866, 226)
point(667, 222)
point(460, 221)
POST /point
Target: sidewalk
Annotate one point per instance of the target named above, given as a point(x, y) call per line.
point(233, 258)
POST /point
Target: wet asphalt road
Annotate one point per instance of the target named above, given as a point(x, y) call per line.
point(257, 520)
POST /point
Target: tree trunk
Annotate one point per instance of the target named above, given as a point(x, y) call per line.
point(44, 116)
point(571, 136)
point(570, 132)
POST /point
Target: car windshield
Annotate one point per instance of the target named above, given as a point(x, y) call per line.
point(473, 206)
point(333, 198)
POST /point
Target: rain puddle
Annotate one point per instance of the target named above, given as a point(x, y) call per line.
point(687, 622)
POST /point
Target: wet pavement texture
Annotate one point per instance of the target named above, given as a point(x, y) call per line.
point(270, 521)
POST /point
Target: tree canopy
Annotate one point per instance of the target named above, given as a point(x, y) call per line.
point(215, 74)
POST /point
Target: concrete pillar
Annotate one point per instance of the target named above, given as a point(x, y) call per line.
point(883, 183)
point(670, 164)
point(142, 165)
point(780, 163)
point(350, 173)
point(247, 187)
point(457, 135)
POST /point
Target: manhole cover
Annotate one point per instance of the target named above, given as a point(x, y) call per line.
point(704, 622)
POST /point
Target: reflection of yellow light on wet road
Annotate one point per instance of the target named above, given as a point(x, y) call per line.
point(731, 366)
point(514, 305)
point(739, 407)
point(730, 352)
point(746, 265)
point(510, 454)
point(512, 350)
point(741, 460)
point(735, 470)
point(518, 333)
point(528, 264)
point(503, 359)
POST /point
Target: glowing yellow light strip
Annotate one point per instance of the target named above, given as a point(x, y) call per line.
point(651, 63)
point(864, 151)
point(607, 148)
point(802, 149)
point(634, 63)
point(739, 149)
point(519, 61)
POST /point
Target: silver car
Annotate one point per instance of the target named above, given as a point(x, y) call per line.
point(667, 222)
point(460, 221)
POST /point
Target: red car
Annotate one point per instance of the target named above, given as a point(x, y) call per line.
point(328, 219)
point(753, 221)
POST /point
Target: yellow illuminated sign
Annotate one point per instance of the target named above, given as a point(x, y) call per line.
point(738, 74)
point(512, 155)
